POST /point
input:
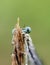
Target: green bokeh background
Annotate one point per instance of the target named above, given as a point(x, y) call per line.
point(33, 13)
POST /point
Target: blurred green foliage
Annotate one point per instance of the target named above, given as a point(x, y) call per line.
point(33, 13)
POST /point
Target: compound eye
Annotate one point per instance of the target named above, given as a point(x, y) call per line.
point(14, 31)
point(28, 29)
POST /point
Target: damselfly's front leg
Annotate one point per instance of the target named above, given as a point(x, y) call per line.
point(14, 61)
